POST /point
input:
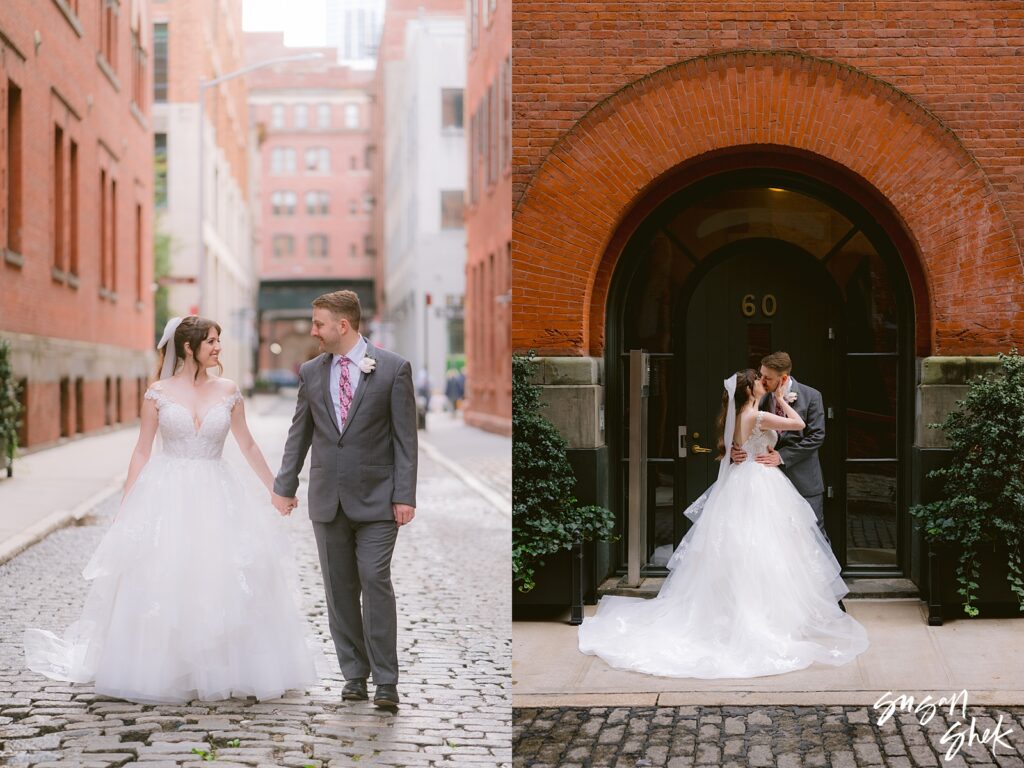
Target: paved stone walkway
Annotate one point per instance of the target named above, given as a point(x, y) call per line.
point(452, 575)
point(787, 737)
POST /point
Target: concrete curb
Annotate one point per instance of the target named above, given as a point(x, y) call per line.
point(746, 698)
point(35, 533)
point(499, 502)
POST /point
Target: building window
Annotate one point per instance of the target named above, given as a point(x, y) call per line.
point(492, 135)
point(277, 116)
point(282, 203)
point(368, 201)
point(351, 115)
point(352, 207)
point(282, 160)
point(109, 13)
point(352, 163)
point(323, 115)
point(301, 116)
point(317, 203)
point(73, 209)
point(13, 206)
point(58, 198)
point(316, 246)
point(160, 62)
point(139, 286)
point(283, 245)
point(474, 176)
point(451, 108)
point(451, 209)
point(369, 249)
point(352, 251)
point(103, 233)
point(160, 169)
point(138, 70)
point(113, 239)
point(318, 160)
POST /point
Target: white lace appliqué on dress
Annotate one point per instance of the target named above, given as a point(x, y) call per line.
point(752, 589)
point(193, 592)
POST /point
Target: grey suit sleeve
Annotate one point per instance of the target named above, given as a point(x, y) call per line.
point(813, 434)
point(403, 436)
point(300, 435)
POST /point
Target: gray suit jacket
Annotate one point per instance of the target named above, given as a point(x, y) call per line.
point(372, 463)
point(799, 449)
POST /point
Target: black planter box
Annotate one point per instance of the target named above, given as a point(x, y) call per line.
point(995, 598)
point(559, 585)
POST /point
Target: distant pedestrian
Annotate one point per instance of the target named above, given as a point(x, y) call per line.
point(452, 391)
point(423, 387)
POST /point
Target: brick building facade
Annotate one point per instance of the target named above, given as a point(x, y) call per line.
point(489, 215)
point(707, 182)
point(76, 163)
point(314, 196)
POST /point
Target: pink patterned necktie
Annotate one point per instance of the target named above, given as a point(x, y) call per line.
point(344, 389)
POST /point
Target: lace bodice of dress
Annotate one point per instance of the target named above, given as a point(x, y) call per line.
point(760, 440)
point(180, 437)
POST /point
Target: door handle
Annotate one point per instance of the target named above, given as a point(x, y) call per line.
point(698, 449)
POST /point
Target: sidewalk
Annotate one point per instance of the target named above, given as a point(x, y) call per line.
point(57, 486)
point(906, 656)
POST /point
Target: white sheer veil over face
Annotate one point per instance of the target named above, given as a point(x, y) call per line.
point(167, 340)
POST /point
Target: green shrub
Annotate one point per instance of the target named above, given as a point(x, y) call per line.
point(546, 517)
point(10, 406)
point(983, 492)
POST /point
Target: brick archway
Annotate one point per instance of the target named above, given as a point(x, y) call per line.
point(577, 211)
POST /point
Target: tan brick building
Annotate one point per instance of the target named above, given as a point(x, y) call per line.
point(489, 215)
point(315, 202)
point(711, 181)
point(76, 164)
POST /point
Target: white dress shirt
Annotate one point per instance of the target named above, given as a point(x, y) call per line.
point(357, 353)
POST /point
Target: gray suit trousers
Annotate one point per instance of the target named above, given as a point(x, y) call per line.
point(355, 558)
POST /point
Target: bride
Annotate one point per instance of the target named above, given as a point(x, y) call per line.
point(192, 596)
point(753, 586)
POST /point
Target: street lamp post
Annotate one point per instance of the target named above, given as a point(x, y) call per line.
point(203, 86)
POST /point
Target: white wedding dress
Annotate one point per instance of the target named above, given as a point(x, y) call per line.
point(193, 592)
point(752, 591)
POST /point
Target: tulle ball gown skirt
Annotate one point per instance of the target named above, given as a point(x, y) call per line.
point(753, 591)
point(192, 596)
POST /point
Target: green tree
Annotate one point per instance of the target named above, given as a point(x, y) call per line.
point(546, 517)
point(10, 407)
point(983, 488)
point(161, 268)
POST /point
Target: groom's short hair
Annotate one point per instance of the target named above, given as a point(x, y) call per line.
point(343, 304)
point(778, 361)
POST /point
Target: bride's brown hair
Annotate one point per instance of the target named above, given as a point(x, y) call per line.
point(744, 385)
point(193, 330)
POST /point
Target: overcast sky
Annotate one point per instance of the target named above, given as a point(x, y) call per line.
point(302, 21)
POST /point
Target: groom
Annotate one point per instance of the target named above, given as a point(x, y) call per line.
point(357, 409)
point(796, 452)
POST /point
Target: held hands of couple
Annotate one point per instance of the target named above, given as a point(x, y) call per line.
point(283, 504)
point(770, 459)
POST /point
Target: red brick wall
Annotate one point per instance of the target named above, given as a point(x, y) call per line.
point(593, 120)
point(488, 230)
point(31, 300)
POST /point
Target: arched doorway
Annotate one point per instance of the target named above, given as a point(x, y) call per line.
point(728, 269)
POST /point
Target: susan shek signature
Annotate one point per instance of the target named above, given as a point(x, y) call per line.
point(958, 734)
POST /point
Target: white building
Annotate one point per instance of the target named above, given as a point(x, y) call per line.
point(354, 28)
point(424, 173)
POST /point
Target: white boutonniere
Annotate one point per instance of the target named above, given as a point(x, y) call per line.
point(790, 397)
point(367, 364)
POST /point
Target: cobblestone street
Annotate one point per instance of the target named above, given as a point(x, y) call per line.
point(451, 573)
point(787, 737)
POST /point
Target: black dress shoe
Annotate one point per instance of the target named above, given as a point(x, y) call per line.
point(842, 607)
point(386, 697)
point(355, 690)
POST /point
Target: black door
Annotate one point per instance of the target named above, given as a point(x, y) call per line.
point(756, 297)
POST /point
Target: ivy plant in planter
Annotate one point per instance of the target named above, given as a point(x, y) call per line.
point(983, 487)
point(546, 517)
point(10, 408)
